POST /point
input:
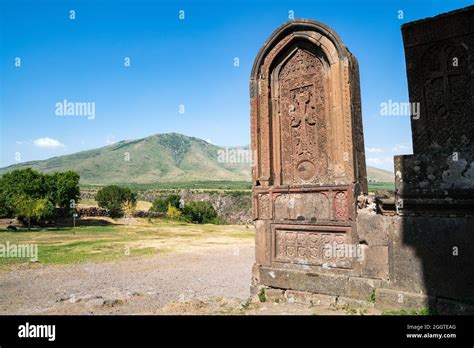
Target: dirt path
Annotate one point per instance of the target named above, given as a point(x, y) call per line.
point(137, 285)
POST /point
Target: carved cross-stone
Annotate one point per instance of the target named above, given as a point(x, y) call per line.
point(306, 113)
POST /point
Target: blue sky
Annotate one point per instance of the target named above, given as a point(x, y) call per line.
point(178, 62)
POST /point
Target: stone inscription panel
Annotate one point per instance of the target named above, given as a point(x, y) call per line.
point(312, 245)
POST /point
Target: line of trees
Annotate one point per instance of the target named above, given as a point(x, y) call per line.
point(31, 196)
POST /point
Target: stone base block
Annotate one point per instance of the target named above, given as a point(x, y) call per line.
point(325, 284)
point(387, 299)
point(317, 289)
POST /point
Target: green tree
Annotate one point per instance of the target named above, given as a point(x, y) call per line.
point(112, 197)
point(4, 211)
point(63, 189)
point(18, 183)
point(200, 212)
point(161, 204)
point(43, 209)
point(30, 210)
point(32, 189)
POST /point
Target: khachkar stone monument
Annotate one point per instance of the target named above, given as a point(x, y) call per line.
point(439, 176)
point(317, 238)
point(309, 155)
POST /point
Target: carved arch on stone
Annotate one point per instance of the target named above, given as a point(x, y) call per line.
point(340, 66)
point(281, 140)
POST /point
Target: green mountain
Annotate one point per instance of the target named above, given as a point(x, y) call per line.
point(160, 158)
point(379, 175)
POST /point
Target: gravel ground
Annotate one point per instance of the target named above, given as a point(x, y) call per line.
point(199, 280)
point(138, 285)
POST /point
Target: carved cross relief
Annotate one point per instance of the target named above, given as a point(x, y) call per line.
point(303, 119)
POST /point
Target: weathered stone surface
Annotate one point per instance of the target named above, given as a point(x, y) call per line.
point(262, 243)
point(387, 299)
point(309, 151)
point(311, 139)
point(434, 256)
point(372, 229)
point(375, 263)
point(310, 244)
point(302, 206)
point(437, 183)
point(353, 303)
point(320, 283)
point(303, 281)
point(274, 294)
point(439, 55)
point(439, 177)
point(360, 288)
point(322, 300)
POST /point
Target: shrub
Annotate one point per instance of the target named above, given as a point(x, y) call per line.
point(33, 209)
point(200, 212)
point(161, 204)
point(112, 198)
point(129, 207)
point(173, 212)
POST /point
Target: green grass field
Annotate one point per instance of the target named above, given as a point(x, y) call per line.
point(374, 186)
point(98, 243)
point(244, 186)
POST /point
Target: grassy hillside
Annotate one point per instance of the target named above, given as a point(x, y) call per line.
point(379, 175)
point(163, 160)
point(159, 158)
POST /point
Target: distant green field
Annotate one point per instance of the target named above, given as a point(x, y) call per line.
point(374, 186)
point(205, 185)
point(217, 185)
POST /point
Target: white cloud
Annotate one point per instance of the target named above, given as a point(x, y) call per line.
point(47, 143)
point(400, 148)
point(110, 140)
point(373, 150)
point(379, 160)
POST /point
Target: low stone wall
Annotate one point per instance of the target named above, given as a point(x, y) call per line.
point(91, 211)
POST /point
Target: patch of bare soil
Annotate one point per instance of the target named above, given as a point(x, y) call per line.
point(135, 285)
point(201, 280)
